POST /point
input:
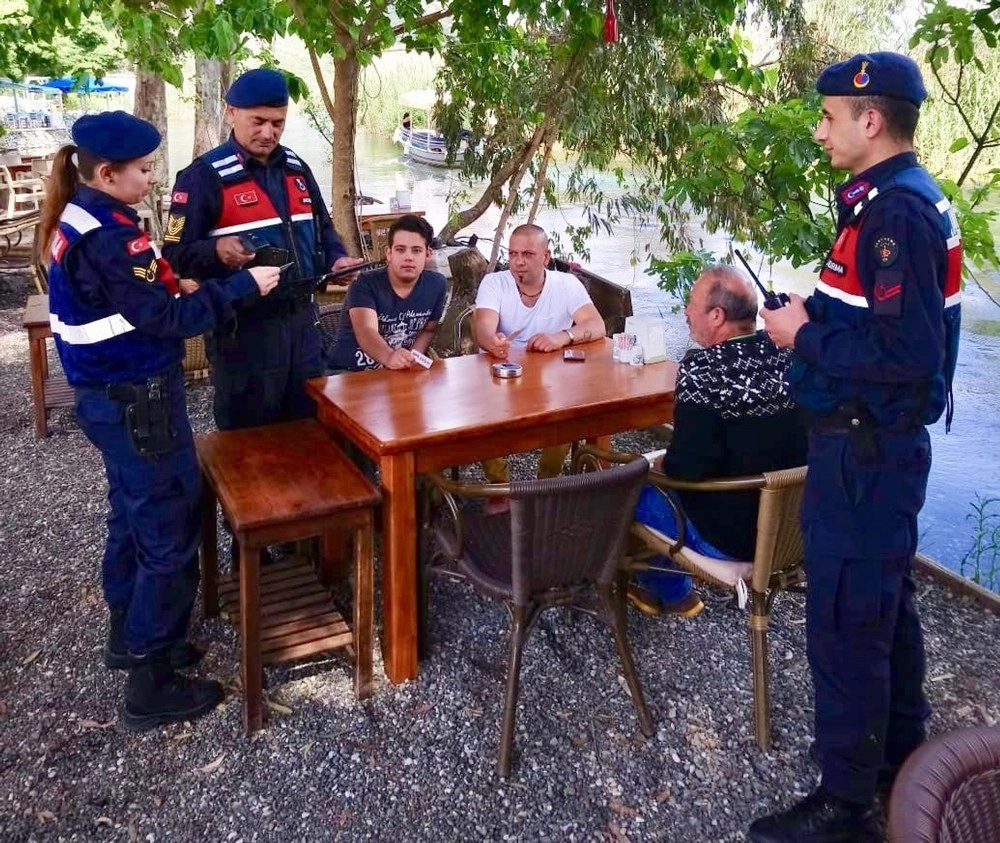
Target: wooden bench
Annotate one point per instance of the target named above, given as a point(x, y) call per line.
point(277, 484)
point(47, 390)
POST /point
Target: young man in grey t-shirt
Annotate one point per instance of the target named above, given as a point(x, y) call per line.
point(390, 313)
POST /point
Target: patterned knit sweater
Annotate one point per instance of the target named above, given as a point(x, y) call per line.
point(732, 416)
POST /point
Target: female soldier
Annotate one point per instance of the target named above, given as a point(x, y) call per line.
point(119, 322)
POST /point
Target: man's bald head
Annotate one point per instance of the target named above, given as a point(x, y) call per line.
point(722, 305)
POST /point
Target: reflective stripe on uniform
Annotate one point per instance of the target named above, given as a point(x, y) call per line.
point(230, 170)
point(842, 295)
point(79, 219)
point(246, 226)
point(92, 332)
point(222, 162)
point(298, 217)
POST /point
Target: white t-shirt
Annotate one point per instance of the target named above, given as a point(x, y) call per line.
point(562, 296)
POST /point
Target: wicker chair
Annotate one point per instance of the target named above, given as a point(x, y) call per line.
point(948, 791)
point(777, 562)
point(562, 539)
point(329, 321)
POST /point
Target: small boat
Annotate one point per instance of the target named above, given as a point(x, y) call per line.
point(420, 142)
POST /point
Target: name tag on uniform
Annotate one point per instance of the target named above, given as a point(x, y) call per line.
point(248, 197)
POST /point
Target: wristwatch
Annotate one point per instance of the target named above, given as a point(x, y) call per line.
point(569, 334)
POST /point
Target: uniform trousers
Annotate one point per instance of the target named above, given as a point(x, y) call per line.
point(260, 368)
point(150, 567)
point(864, 641)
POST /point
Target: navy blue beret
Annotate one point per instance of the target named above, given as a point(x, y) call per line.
point(254, 88)
point(874, 75)
point(115, 135)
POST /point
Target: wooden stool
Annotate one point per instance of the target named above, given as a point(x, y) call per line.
point(278, 484)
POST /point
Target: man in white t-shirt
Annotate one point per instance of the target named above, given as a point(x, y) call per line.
point(532, 307)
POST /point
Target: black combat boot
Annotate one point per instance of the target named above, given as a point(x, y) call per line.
point(156, 695)
point(819, 818)
point(182, 654)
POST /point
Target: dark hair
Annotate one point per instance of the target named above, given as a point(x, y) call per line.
point(730, 291)
point(413, 224)
point(63, 183)
point(900, 116)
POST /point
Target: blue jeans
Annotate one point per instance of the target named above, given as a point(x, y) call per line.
point(654, 511)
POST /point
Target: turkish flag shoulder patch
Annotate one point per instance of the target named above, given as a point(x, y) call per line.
point(139, 245)
point(887, 295)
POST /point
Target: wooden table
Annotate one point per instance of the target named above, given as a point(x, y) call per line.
point(456, 413)
point(47, 390)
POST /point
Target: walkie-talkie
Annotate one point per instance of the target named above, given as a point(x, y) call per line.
point(772, 300)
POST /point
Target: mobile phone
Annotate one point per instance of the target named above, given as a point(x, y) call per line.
point(575, 355)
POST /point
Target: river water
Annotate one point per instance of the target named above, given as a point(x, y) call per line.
point(966, 461)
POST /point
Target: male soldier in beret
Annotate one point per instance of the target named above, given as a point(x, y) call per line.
point(875, 350)
point(246, 202)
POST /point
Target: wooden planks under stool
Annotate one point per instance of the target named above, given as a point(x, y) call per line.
point(297, 615)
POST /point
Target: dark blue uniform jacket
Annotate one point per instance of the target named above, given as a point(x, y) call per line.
point(115, 308)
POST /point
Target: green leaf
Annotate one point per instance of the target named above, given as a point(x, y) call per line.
point(958, 144)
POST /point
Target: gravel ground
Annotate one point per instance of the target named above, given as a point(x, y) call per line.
point(417, 762)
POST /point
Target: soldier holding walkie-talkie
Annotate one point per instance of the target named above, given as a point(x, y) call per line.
point(875, 350)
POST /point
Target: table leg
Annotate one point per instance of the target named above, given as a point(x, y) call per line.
point(250, 661)
point(209, 551)
point(399, 568)
point(36, 351)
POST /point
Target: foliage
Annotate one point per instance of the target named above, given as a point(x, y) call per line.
point(89, 50)
point(982, 562)
point(966, 75)
point(158, 35)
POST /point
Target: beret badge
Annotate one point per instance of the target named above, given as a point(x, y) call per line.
point(862, 78)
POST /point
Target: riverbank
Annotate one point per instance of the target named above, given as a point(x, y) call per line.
point(417, 762)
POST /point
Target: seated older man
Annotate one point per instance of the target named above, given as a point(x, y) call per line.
point(537, 309)
point(732, 416)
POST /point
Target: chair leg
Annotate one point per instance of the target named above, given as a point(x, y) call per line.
point(252, 668)
point(759, 622)
point(613, 601)
point(518, 636)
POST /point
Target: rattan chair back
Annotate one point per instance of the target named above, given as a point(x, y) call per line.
point(570, 531)
point(948, 791)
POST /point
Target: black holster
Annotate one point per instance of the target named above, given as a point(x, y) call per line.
point(147, 414)
point(860, 426)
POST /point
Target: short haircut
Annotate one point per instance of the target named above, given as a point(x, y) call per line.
point(413, 224)
point(532, 230)
point(900, 116)
point(731, 291)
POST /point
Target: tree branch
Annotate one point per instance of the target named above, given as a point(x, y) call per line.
point(426, 20)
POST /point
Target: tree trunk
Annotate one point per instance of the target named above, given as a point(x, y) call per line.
point(346, 73)
point(490, 195)
point(227, 75)
point(208, 104)
point(151, 105)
